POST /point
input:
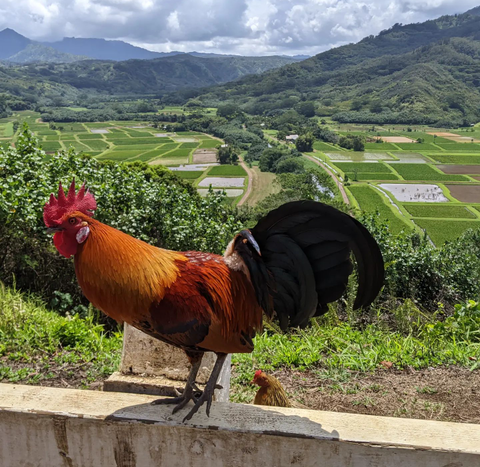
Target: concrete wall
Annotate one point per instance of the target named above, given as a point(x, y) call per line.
point(69, 428)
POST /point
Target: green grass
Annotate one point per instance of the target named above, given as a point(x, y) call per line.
point(321, 146)
point(364, 167)
point(435, 210)
point(96, 145)
point(119, 155)
point(39, 345)
point(8, 130)
point(454, 159)
point(160, 151)
point(234, 170)
point(371, 200)
point(77, 146)
point(46, 132)
point(417, 146)
point(210, 143)
point(136, 141)
point(179, 153)
point(460, 147)
point(189, 174)
point(417, 340)
point(381, 146)
point(91, 136)
point(51, 146)
point(51, 138)
point(425, 172)
point(189, 145)
point(441, 231)
point(360, 176)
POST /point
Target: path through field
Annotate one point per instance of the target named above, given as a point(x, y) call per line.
point(251, 177)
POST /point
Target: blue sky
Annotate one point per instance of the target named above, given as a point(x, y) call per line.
point(247, 27)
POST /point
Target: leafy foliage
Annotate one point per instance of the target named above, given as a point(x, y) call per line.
point(148, 202)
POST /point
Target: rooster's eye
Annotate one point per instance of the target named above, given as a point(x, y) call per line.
point(72, 220)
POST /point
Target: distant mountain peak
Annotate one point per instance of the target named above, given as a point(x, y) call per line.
point(11, 42)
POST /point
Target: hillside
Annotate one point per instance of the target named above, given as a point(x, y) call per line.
point(45, 82)
point(34, 52)
point(102, 49)
point(428, 72)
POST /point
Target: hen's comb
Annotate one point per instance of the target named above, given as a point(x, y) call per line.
point(258, 373)
point(55, 209)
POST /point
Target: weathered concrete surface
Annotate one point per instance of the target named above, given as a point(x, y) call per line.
point(150, 366)
point(45, 427)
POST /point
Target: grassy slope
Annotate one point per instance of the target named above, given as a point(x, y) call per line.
point(371, 200)
point(37, 345)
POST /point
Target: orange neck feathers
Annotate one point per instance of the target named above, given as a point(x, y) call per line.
point(121, 275)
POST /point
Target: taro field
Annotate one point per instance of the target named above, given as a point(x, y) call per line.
point(191, 155)
point(421, 178)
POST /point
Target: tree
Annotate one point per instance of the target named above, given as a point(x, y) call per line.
point(376, 106)
point(227, 155)
point(307, 109)
point(358, 143)
point(228, 111)
point(290, 165)
point(305, 142)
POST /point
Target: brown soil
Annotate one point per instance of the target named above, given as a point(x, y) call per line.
point(446, 394)
point(464, 193)
point(48, 372)
point(460, 169)
point(204, 156)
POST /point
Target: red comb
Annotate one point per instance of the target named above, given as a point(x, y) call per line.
point(55, 209)
point(258, 373)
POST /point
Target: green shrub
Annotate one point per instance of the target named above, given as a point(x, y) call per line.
point(150, 203)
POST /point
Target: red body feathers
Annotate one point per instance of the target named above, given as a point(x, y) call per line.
point(192, 300)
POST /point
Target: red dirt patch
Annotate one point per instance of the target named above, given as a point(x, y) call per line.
point(465, 193)
point(459, 169)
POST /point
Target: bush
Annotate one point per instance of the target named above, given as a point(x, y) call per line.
point(148, 202)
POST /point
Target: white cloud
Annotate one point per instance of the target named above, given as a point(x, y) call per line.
point(253, 27)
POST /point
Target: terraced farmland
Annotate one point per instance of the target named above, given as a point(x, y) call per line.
point(432, 186)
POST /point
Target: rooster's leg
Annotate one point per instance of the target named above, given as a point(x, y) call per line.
point(207, 395)
point(188, 392)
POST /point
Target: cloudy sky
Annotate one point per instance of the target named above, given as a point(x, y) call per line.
point(247, 27)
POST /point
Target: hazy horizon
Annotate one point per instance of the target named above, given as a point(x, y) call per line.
point(246, 27)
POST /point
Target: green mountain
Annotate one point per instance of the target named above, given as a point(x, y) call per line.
point(34, 52)
point(43, 83)
point(417, 73)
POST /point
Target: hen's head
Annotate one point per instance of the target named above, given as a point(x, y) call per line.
point(67, 216)
point(260, 379)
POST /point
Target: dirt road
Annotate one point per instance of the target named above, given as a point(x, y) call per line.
point(251, 176)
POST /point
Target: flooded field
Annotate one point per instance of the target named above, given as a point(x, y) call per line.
point(422, 193)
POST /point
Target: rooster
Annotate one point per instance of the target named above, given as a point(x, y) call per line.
point(293, 263)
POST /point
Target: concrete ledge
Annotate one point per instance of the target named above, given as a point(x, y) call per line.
point(60, 427)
